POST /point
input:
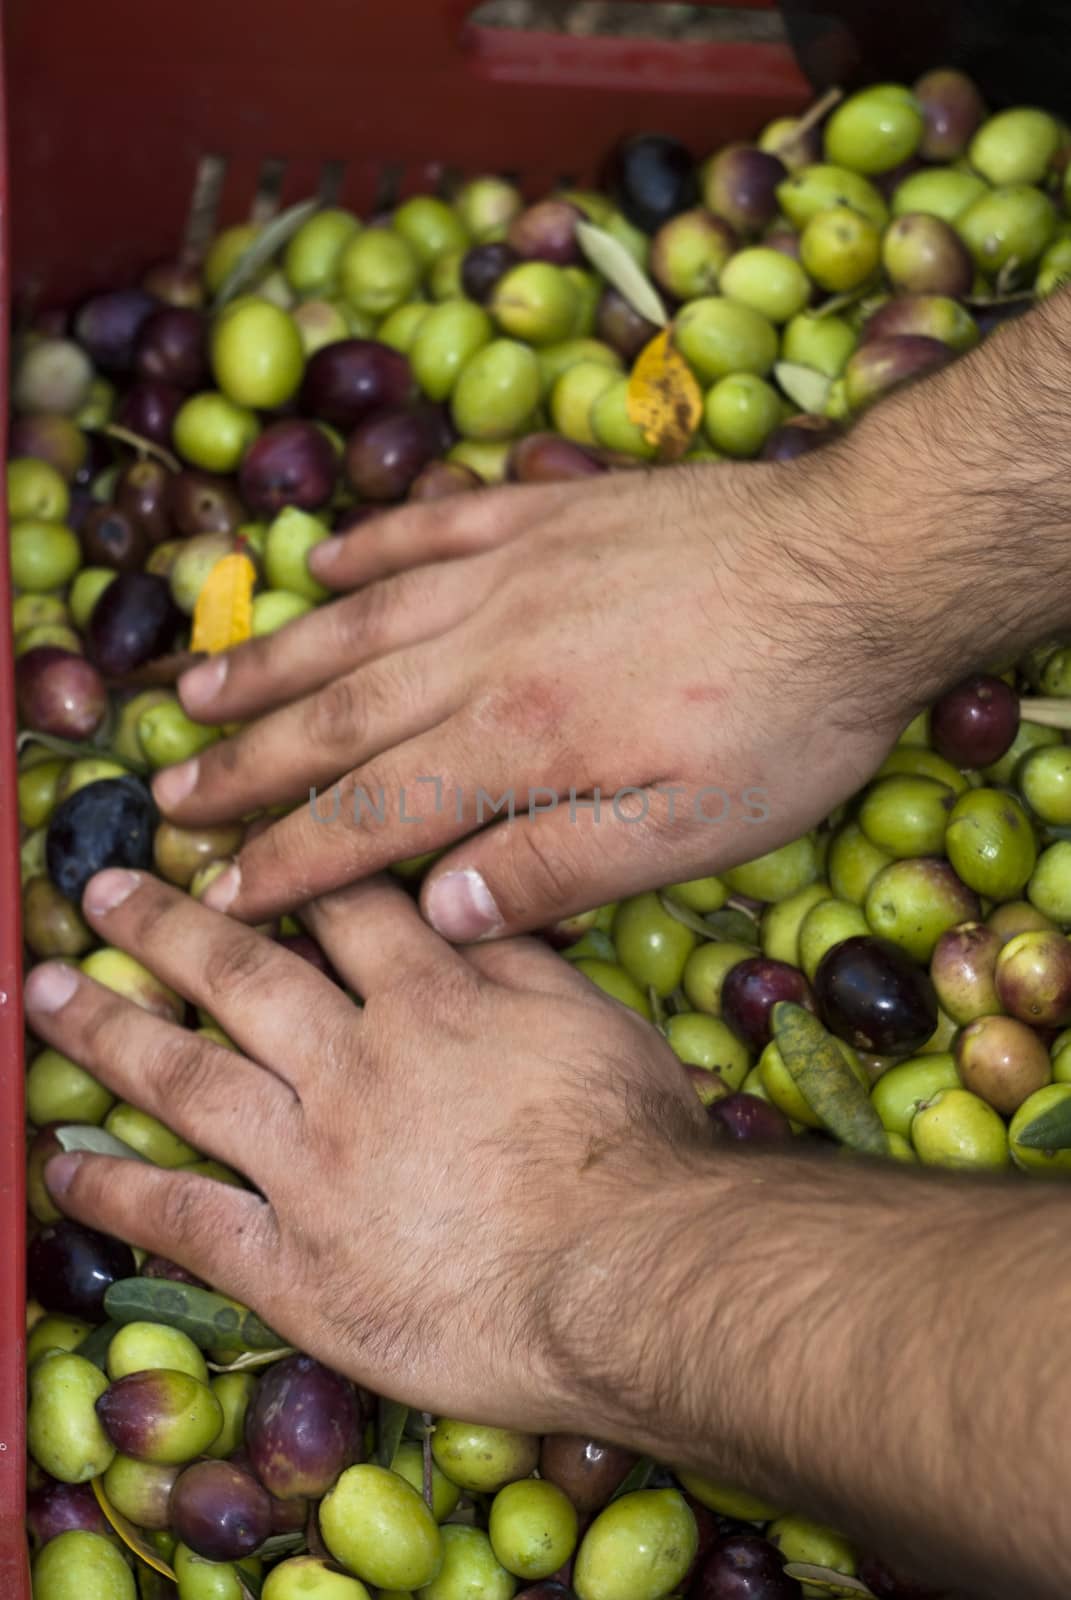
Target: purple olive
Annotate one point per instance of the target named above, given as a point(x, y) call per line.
point(134, 621)
point(161, 1267)
point(49, 437)
point(1033, 978)
point(963, 969)
point(923, 254)
point(547, 232)
point(881, 365)
point(441, 479)
point(111, 538)
point(874, 996)
point(952, 110)
point(175, 283)
point(749, 1119)
point(798, 437)
point(161, 1416)
point(585, 1470)
point(108, 325)
point(149, 409)
point(385, 454)
point(975, 723)
point(751, 990)
point(352, 379)
point(220, 1511)
point(740, 185)
point(293, 463)
point(142, 491)
point(886, 1583)
point(621, 327)
point(200, 502)
point(303, 1428)
point(60, 693)
point(482, 267)
point(744, 1566)
point(54, 1508)
point(548, 458)
point(70, 1268)
point(172, 348)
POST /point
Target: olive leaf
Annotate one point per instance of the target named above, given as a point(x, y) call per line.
point(390, 1426)
point(664, 399)
point(249, 1583)
point(211, 1320)
point(609, 256)
point(82, 1138)
point(281, 1544)
point(804, 386)
point(94, 1347)
point(730, 923)
point(594, 945)
point(829, 1581)
point(1050, 1130)
point(826, 1081)
point(253, 1359)
point(267, 244)
point(638, 1478)
point(66, 748)
point(131, 1536)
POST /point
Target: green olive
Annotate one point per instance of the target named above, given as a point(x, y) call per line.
point(907, 816)
point(29, 611)
point(726, 1501)
point(446, 340)
point(37, 792)
point(900, 1148)
point(574, 395)
point(740, 413)
point(1015, 146)
point(874, 130)
point(141, 1491)
point(819, 187)
point(86, 770)
point(853, 864)
point(312, 257)
point(957, 1129)
point(308, 1578)
point(616, 982)
point(233, 1391)
point(718, 337)
point(59, 1090)
point(44, 555)
point(1053, 1162)
point(63, 1431)
point(138, 1346)
point(1031, 736)
point(535, 301)
point(840, 249)
point(1049, 889)
point(768, 281)
point(167, 735)
point(638, 1548)
point(48, 633)
point(651, 945)
point(1054, 268)
point(781, 923)
point(376, 1526)
point(430, 227)
point(1007, 225)
point(783, 1091)
point(703, 1041)
point(991, 844)
point(124, 975)
point(274, 608)
point(212, 432)
point(257, 355)
point(401, 326)
point(921, 763)
point(409, 1463)
point(470, 1569)
point(533, 1528)
point(32, 863)
point(698, 894)
point(914, 901)
point(292, 534)
point(225, 251)
point(614, 429)
point(212, 1580)
point(55, 1333)
point(826, 924)
point(378, 271)
point(482, 1459)
point(36, 491)
point(82, 1566)
point(487, 203)
point(85, 591)
point(824, 343)
point(1044, 781)
point(497, 392)
point(944, 192)
point(777, 874)
point(799, 1539)
point(556, 359)
point(706, 969)
point(487, 458)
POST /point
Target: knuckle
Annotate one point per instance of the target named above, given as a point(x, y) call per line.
point(332, 715)
point(181, 1208)
point(182, 1071)
point(234, 968)
point(539, 871)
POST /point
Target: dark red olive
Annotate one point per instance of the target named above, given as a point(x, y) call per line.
point(149, 409)
point(172, 348)
point(111, 538)
point(751, 990)
point(585, 1470)
point(70, 1268)
point(974, 723)
point(293, 463)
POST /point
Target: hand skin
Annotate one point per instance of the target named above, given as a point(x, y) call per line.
point(491, 1193)
point(754, 627)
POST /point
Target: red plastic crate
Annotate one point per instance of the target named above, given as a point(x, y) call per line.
point(111, 111)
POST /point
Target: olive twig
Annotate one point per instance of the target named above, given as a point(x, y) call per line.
point(813, 115)
point(1046, 713)
point(682, 914)
point(138, 442)
point(429, 1429)
point(658, 1010)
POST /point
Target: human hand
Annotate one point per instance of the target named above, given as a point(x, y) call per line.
point(431, 1171)
point(696, 637)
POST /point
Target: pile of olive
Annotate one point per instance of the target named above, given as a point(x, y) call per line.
point(294, 382)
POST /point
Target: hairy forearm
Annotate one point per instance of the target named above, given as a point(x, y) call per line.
point(881, 1348)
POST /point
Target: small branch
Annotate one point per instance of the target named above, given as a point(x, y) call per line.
point(812, 117)
point(138, 442)
point(1046, 713)
point(429, 1429)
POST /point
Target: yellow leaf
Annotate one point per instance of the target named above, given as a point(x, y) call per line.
point(130, 1535)
point(664, 399)
point(224, 612)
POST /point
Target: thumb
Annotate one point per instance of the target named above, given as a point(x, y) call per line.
point(558, 857)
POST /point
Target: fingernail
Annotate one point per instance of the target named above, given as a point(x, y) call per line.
point(202, 684)
point(49, 987)
point(61, 1172)
point(326, 553)
point(173, 784)
point(108, 890)
point(219, 896)
point(461, 907)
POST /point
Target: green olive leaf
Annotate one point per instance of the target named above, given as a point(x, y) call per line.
point(732, 925)
point(249, 1584)
point(265, 247)
point(609, 256)
point(829, 1581)
point(281, 1544)
point(83, 1138)
point(595, 944)
point(253, 1359)
point(804, 386)
point(94, 1347)
point(684, 915)
point(211, 1320)
point(1050, 1130)
point(638, 1478)
point(825, 1079)
point(390, 1427)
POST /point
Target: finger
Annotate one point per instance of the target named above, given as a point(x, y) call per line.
point(208, 1095)
point(221, 1233)
point(375, 936)
point(524, 964)
point(446, 529)
point(556, 862)
point(280, 667)
point(400, 804)
point(310, 743)
point(253, 987)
